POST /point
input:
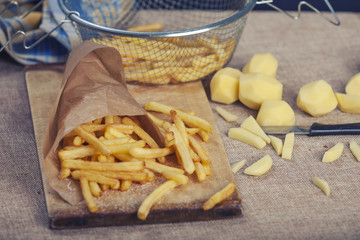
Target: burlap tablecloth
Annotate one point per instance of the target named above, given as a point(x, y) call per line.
point(283, 204)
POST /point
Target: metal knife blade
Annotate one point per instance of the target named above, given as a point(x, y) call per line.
point(316, 129)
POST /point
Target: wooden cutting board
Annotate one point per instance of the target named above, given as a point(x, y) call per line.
point(120, 208)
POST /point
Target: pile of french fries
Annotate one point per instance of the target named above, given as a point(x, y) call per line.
point(115, 152)
point(169, 60)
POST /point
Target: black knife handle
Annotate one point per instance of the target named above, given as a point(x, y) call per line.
point(318, 129)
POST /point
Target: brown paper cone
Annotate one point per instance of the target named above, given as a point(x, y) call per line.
point(93, 87)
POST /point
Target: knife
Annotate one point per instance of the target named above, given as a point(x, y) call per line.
point(316, 129)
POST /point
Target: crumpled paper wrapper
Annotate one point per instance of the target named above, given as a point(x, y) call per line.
point(94, 86)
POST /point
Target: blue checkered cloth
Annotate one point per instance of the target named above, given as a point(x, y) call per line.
point(56, 47)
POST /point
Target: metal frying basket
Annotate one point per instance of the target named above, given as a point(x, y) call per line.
point(190, 45)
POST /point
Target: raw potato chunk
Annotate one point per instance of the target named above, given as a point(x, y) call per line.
point(316, 98)
point(252, 125)
point(229, 117)
point(224, 86)
point(333, 153)
point(288, 146)
point(254, 88)
point(353, 86)
point(247, 137)
point(348, 103)
point(277, 144)
point(235, 167)
point(355, 149)
point(260, 167)
point(322, 184)
point(262, 62)
point(275, 113)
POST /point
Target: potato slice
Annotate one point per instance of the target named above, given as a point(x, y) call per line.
point(316, 98)
point(224, 86)
point(275, 113)
point(353, 86)
point(333, 153)
point(262, 62)
point(259, 167)
point(355, 149)
point(235, 167)
point(277, 144)
point(229, 117)
point(322, 184)
point(288, 146)
point(247, 137)
point(252, 125)
point(254, 88)
point(348, 103)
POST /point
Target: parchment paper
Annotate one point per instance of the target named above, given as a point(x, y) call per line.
point(94, 86)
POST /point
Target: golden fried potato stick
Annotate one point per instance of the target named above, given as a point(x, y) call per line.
point(200, 171)
point(95, 189)
point(93, 177)
point(199, 62)
point(118, 166)
point(139, 152)
point(183, 151)
point(92, 140)
point(198, 149)
point(192, 131)
point(187, 118)
point(220, 196)
point(126, 147)
point(180, 179)
point(158, 122)
point(116, 141)
point(64, 173)
point(207, 167)
point(126, 157)
point(180, 126)
point(98, 121)
point(132, 176)
point(153, 197)
point(76, 152)
point(89, 199)
point(150, 174)
point(125, 185)
point(78, 141)
point(152, 27)
point(109, 119)
point(141, 133)
point(158, 167)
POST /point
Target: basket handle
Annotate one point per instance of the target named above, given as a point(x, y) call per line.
point(336, 22)
point(22, 33)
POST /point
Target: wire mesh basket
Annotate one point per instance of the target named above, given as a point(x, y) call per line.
point(174, 41)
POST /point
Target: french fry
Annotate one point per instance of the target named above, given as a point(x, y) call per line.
point(95, 189)
point(207, 167)
point(187, 118)
point(158, 167)
point(132, 176)
point(139, 152)
point(116, 141)
point(200, 171)
point(192, 131)
point(183, 151)
point(109, 119)
point(126, 157)
point(76, 152)
point(141, 133)
point(126, 147)
point(125, 185)
point(64, 173)
point(198, 149)
point(78, 141)
point(150, 175)
point(158, 122)
point(118, 166)
point(153, 197)
point(152, 27)
point(93, 177)
point(220, 196)
point(92, 140)
point(179, 178)
point(89, 200)
point(180, 126)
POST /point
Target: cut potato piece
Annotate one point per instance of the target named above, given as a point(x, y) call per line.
point(254, 88)
point(252, 125)
point(260, 167)
point(275, 113)
point(235, 167)
point(333, 153)
point(355, 149)
point(277, 144)
point(247, 137)
point(224, 86)
point(262, 62)
point(353, 86)
point(316, 98)
point(288, 146)
point(322, 184)
point(229, 117)
point(348, 103)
